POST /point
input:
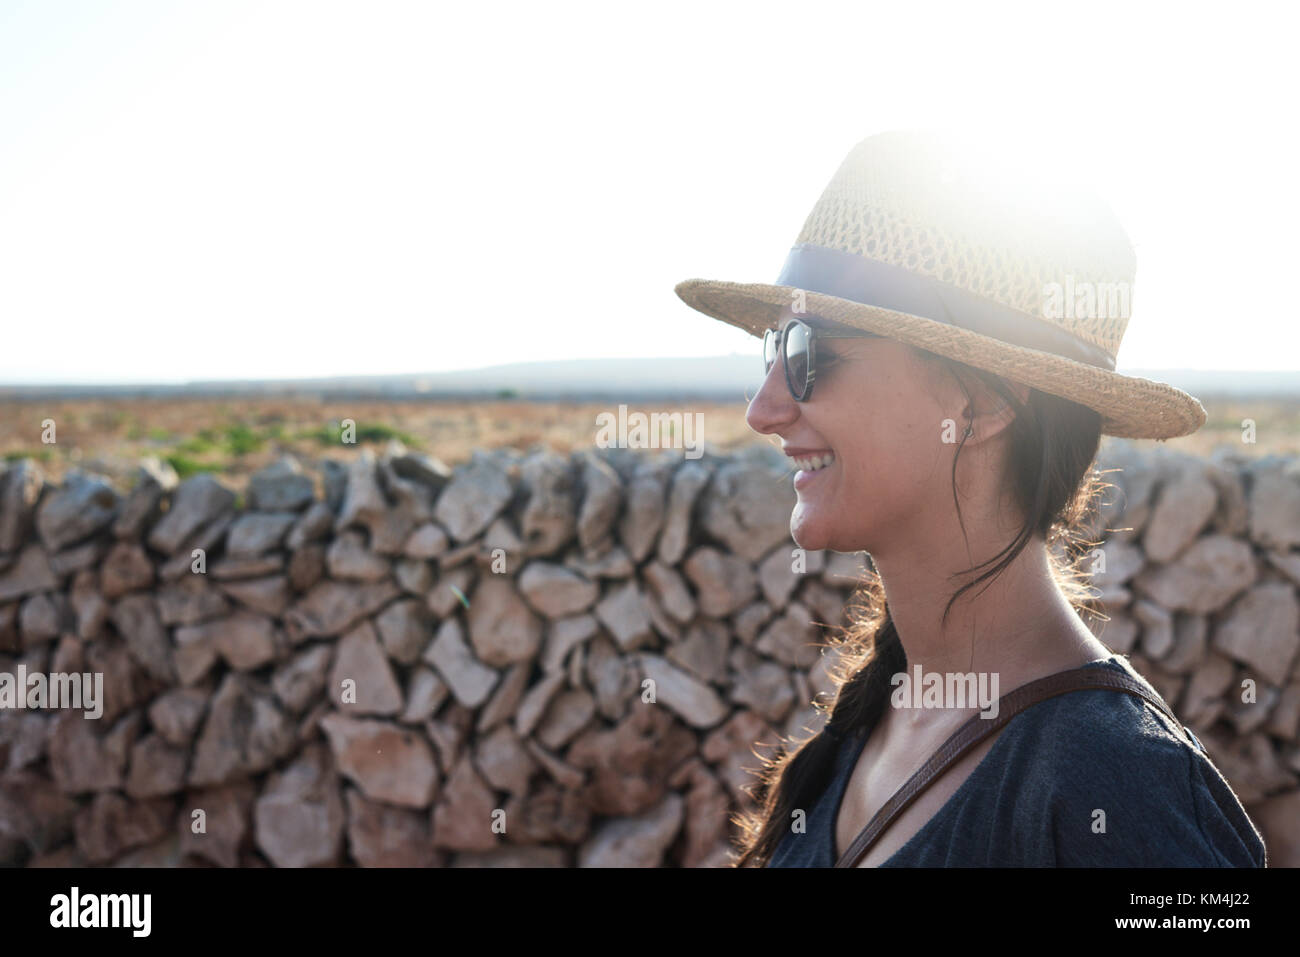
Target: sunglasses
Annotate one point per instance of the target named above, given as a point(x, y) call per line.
point(800, 353)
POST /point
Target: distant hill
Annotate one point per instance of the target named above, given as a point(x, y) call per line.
point(581, 379)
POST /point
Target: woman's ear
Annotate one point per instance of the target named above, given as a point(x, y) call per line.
point(992, 413)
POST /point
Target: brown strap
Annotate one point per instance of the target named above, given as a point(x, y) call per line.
point(978, 728)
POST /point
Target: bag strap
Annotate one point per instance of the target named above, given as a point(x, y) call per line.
point(978, 728)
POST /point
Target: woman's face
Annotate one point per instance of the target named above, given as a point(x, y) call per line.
point(878, 410)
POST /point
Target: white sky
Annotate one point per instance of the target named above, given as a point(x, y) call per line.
point(276, 189)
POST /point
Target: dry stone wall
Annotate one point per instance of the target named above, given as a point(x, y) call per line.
point(391, 662)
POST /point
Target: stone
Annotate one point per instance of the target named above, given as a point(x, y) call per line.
point(1275, 510)
point(244, 734)
point(228, 814)
point(450, 592)
point(563, 636)
point(196, 502)
point(1204, 578)
point(1278, 819)
point(83, 758)
point(1157, 628)
point(504, 762)
point(20, 490)
point(737, 749)
point(306, 567)
point(645, 507)
point(313, 525)
point(33, 812)
point(468, 678)
point(635, 842)
point(791, 639)
point(44, 617)
point(502, 628)
point(427, 541)
point(1120, 561)
point(281, 486)
point(190, 600)
point(703, 652)
point(175, 715)
point(298, 819)
point(612, 563)
point(602, 497)
point(304, 677)
point(126, 568)
point(425, 694)
point(549, 812)
point(688, 482)
point(235, 567)
point(30, 573)
point(555, 591)
point(81, 507)
point(671, 591)
point(465, 812)
point(568, 714)
point(388, 763)
point(153, 480)
point(136, 619)
point(694, 701)
point(269, 596)
point(550, 517)
point(1119, 634)
point(1191, 638)
point(748, 509)
point(1262, 629)
point(254, 533)
point(331, 608)
point(362, 671)
point(777, 577)
point(1203, 698)
point(157, 768)
point(624, 613)
point(535, 702)
point(1183, 508)
point(765, 688)
point(723, 583)
point(111, 824)
point(380, 835)
point(505, 697)
point(418, 467)
point(476, 494)
point(347, 558)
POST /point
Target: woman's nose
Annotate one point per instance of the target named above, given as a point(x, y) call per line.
point(772, 407)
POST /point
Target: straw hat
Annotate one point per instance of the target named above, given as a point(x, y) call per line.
point(913, 239)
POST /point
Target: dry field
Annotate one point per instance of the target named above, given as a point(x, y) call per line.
point(235, 437)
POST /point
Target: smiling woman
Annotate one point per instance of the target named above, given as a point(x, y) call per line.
point(953, 439)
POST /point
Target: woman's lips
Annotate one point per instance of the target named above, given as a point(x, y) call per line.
point(812, 466)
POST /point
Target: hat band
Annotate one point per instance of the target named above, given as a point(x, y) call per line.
point(834, 272)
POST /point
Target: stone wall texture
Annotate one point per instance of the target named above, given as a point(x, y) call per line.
point(391, 662)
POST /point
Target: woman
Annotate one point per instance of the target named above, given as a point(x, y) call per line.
point(959, 325)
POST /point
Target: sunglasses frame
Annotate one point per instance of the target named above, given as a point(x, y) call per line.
point(814, 333)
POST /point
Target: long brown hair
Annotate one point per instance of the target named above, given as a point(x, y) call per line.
point(1053, 444)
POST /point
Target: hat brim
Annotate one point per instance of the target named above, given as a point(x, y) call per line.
point(1130, 406)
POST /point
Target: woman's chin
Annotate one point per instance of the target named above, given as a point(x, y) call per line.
point(808, 534)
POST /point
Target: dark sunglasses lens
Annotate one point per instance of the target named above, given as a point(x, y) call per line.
point(797, 344)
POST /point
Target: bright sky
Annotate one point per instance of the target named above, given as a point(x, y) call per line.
point(273, 189)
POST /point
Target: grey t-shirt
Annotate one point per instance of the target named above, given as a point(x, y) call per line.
point(1032, 800)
